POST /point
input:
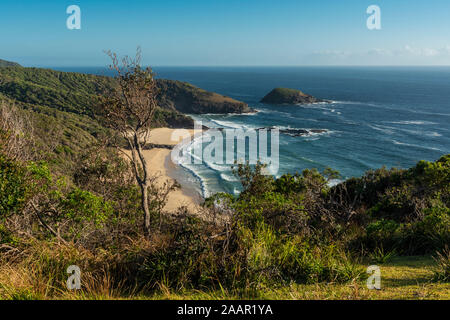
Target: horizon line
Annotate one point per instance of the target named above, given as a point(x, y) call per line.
point(240, 66)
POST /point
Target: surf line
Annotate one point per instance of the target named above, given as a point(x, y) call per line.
point(207, 146)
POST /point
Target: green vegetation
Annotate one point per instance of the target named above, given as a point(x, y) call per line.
point(404, 210)
point(62, 107)
point(68, 197)
point(287, 92)
point(187, 98)
point(12, 186)
point(280, 238)
point(406, 278)
point(443, 271)
point(288, 96)
point(4, 63)
point(79, 93)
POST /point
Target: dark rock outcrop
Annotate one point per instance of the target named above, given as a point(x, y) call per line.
point(302, 132)
point(289, 96)
point(298, 132)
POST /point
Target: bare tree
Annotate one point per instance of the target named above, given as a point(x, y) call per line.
point(17, 131)
point(129, 110)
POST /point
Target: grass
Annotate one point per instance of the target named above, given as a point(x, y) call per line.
point(380, 256)
point(443, 260)
point(406, 278)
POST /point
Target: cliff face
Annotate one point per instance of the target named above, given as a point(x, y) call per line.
point(289, 96)
point(187, 98)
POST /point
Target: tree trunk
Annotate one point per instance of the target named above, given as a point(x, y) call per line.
point(144, 191)
point(138, 157)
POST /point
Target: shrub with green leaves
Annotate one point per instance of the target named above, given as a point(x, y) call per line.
point(187, 259)
point(381, 234)
point(428, 234)
point(272, 257)
point(13, 186)
point(104, 172)
point(6, 236)
point(82, 206)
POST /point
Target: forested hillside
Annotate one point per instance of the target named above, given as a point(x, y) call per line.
point(78, 93)
point(62, 106)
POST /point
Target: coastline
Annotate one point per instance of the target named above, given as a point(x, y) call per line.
point(160, 165)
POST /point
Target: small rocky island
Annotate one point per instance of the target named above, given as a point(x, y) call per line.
point(289, 96)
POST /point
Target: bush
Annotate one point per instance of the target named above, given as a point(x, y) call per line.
point(104, 172)
point(381, 234)
point(81, 206)
point(429, 234)
point(442, 258)
point(13, 188)
point(273, 258)
point(185, 259)
point(245, 261)
point(7, 237)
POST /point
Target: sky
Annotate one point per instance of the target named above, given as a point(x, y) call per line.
point(227, 32)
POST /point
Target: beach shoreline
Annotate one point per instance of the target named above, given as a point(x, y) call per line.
point(175, 172)
point(161, 166)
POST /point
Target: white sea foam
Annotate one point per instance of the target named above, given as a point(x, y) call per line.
point(413, 122)
point(391, 130)
point(383, 129)
point(189, 146)
point(415, 145)
point(228, 177)
point(231, 125)
point(312, 139)
point(419, 132)
point(200, 179)
point(216, 167)
point(226, 124)
point(334, 182)
point(274, 112)
point(197, 167)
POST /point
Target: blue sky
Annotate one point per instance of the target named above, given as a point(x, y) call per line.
point(227, 32)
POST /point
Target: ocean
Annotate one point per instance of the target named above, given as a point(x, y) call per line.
point(379, 116)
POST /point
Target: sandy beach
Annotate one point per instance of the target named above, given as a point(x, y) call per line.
point(160, 164)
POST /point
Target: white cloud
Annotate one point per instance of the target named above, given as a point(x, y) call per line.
point(405, 55)
point(426, 52)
